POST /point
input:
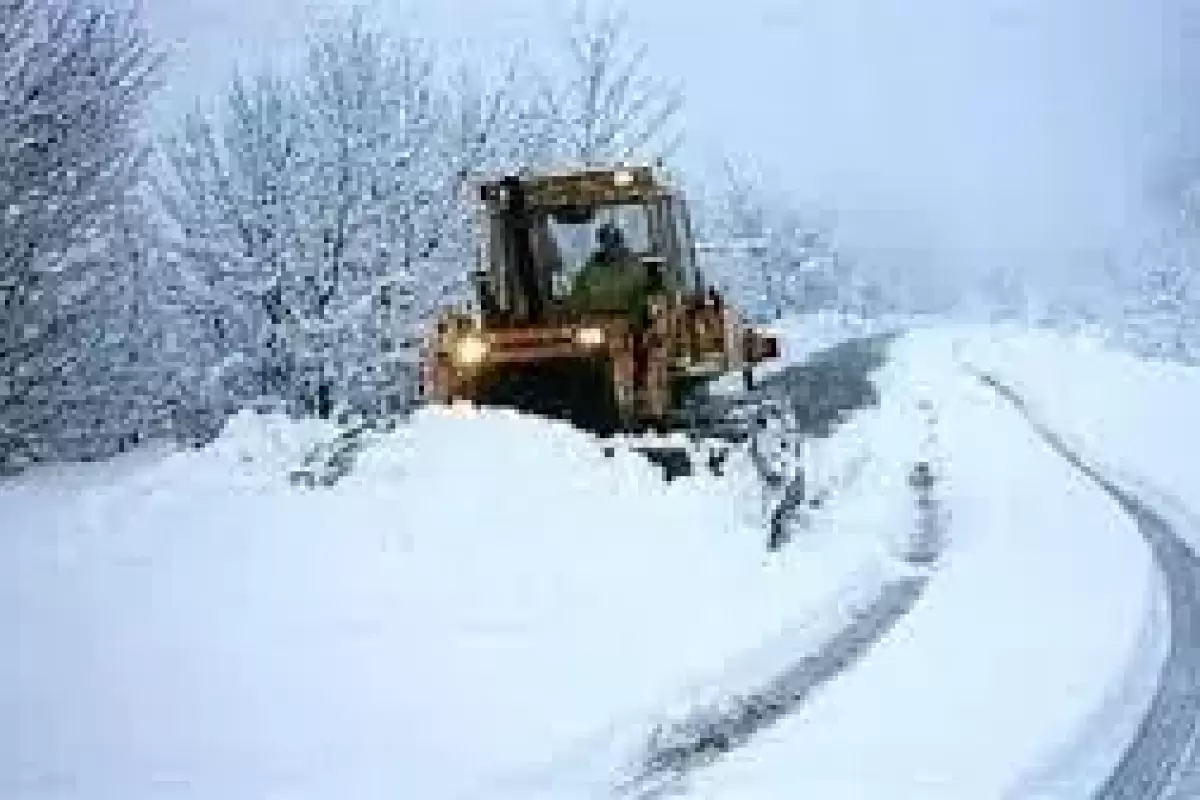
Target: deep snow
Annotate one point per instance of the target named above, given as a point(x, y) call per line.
point(484, 591)
point(488, 606)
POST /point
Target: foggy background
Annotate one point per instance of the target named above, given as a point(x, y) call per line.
point(947, 136)
point(1000, 160)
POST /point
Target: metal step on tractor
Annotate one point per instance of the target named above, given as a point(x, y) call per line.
point(588, 305)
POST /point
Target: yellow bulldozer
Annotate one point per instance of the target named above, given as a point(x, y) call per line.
point(588, 304)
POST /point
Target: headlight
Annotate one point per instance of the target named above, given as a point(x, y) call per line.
point(590, 337)
point(470, 351)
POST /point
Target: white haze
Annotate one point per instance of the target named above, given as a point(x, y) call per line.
point(948, 135)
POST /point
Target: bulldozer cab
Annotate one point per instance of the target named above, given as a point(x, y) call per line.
point(589, 304)
point(542, 234)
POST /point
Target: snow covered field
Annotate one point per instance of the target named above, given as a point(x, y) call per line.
point(488, 605)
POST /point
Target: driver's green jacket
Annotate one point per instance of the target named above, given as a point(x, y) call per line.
point(604, 285)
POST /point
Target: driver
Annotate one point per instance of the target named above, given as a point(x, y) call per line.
point(613, 278)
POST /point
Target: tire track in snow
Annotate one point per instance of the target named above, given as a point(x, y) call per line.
point(1162, 760)
point(708, 732)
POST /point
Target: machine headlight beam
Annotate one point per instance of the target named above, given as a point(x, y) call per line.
point(590, 337)
point(470, 351)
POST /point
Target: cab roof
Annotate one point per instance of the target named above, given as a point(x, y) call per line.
point(572, 189)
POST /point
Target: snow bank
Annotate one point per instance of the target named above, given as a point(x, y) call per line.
point(1031, 620)
point(253, 452)
point(484, 590)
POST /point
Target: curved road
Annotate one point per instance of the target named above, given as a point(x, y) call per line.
point(1163, 759)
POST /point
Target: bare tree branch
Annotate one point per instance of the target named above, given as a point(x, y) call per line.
point(610, 110)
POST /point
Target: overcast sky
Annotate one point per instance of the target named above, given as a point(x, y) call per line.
point(971, 129)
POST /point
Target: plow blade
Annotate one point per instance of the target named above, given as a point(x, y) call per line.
point(578, 390)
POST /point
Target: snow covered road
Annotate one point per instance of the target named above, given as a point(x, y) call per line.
point(1133, 421)
point(1159, 763)
point(1020, 635)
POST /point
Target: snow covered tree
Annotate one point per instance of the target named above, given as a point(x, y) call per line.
point(384, 199)
point(496, 120)
point(75, 76)
point(324, 212)
point(138, 379)
point(1167, 315)
point(608, 109)
point(1162, 308)
point(232, 185)
point(1005, 294)
point(774, 259)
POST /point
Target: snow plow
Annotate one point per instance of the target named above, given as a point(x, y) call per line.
point(588, 305)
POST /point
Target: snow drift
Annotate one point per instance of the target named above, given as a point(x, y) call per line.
point(482, 590)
